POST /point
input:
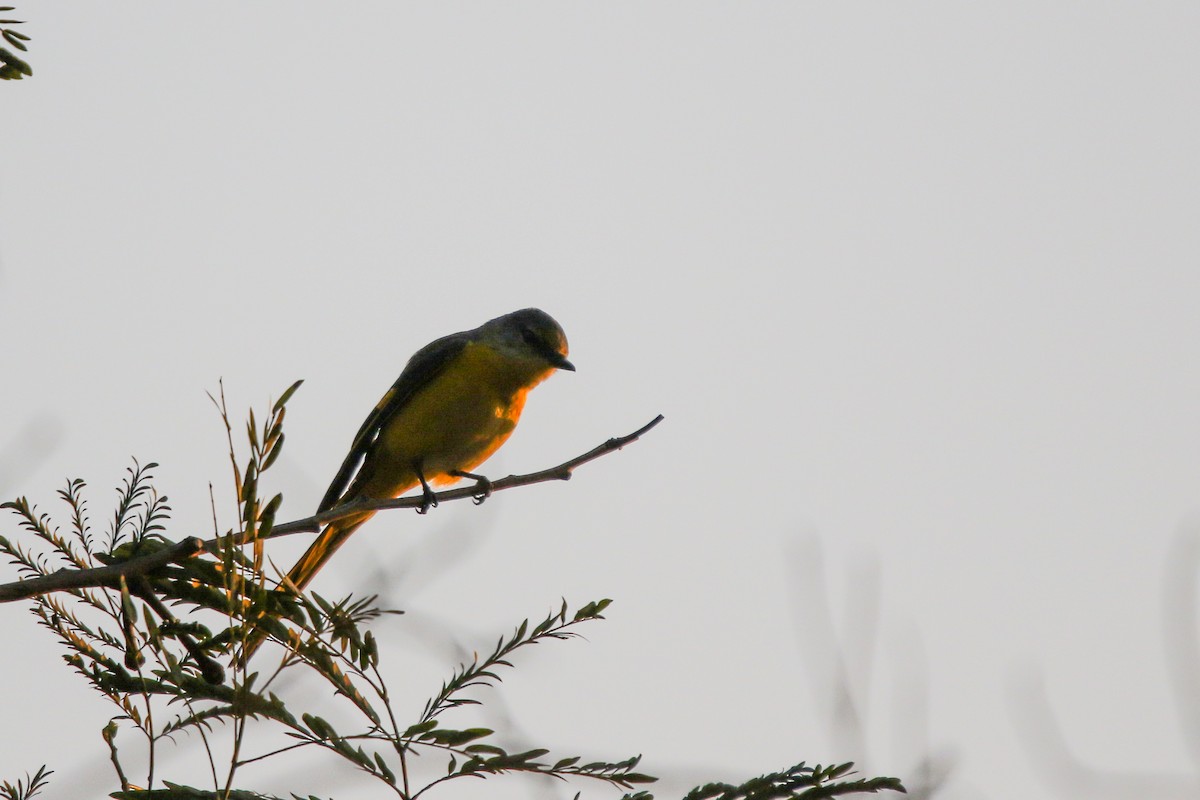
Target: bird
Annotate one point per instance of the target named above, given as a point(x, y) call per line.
point(457, 400)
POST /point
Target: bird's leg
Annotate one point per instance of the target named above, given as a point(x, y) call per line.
point(481, 483)
point(428, 498)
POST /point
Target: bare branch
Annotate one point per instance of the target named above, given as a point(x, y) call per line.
point(562, 472)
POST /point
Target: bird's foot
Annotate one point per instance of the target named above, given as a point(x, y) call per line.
point(428, 498)
point(483, 485)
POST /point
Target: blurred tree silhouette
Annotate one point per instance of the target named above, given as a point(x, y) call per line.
point(1070, 775)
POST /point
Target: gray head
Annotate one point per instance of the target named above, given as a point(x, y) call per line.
point(530, 332)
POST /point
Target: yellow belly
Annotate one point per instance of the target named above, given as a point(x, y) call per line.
point(454, 423)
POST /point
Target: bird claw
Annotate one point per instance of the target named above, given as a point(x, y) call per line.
point(428, 498)
point(485, 491)
point(482, 484)
point(428, 501)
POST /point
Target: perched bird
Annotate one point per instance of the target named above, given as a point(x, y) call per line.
point(456, 401)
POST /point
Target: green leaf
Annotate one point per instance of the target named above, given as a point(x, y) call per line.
point(249, 489)
point(592, 610)
point(454, 738)
point(252, 430)
point(485, 749)
point(384, 770)
point(320, 728)
point(15, 39)
point(266, 520)
point(418, 729)
point(275, 447)
point(287, 395)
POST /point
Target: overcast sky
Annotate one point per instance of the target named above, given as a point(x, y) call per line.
point(916, 286)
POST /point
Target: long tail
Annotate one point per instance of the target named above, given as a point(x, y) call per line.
point(320, 551)
point(323, 548)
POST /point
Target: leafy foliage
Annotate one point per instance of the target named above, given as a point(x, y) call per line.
point(799, 781)
point(24, 790)
point(165, 677)
point(12, 67)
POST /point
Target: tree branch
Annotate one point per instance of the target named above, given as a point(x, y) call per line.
point(562, 472)
point(109, 576)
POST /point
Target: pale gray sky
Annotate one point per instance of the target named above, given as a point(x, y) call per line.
point(915, 285)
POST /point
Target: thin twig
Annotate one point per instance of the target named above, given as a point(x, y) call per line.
point(562, 472)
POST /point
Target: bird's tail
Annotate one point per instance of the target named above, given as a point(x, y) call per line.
point(334, 536)
point(320, 551)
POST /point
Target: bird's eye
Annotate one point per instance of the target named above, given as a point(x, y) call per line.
point(531, 338)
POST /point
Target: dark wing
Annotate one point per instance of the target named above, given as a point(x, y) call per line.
point(425, 365)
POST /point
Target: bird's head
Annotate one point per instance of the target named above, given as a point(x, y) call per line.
point(530, 334)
